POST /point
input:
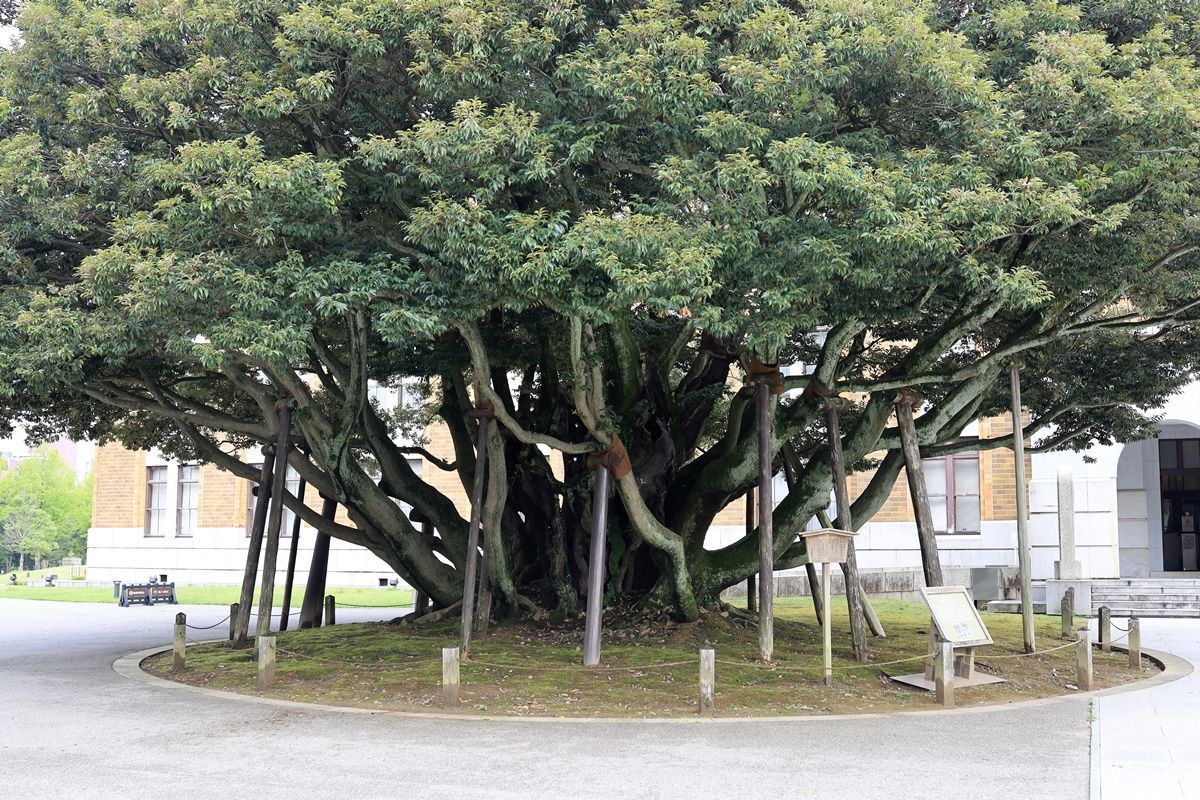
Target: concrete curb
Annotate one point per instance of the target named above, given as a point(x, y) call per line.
point(130, 666)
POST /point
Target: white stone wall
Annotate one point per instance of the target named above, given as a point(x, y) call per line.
point(218, 556)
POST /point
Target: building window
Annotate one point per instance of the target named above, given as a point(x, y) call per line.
point(953, 484)
point(293, 486)
point(156, 501)
point(187, 509)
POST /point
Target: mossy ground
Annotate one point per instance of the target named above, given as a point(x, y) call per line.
point(533, 668)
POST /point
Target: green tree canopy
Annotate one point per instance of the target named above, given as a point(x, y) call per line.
point(44, 511)
point(594, 216)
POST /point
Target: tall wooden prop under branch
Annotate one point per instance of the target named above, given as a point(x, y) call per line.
point(318, 570)
point(483, 413)
point(266, 592)
point(290, 581)
point(241, 628)
point(858, 624)
point(766, 510)
point(930, 563)
point(1022, 511)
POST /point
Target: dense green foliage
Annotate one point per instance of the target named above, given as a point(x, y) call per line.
point(593, 215)
point(44, 511)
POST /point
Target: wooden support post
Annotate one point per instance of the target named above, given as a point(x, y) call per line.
point(1023, 557)
point(241, 634)
point(290, 579)
point(330, 610)
point(233, 613)
point(826, 628)
point(1105, 632)
point(470, 570)
point(1135, 643)
point(420, 603)
point(766, 512)
point(266, 592)
point(858, 623)
point(450, 676)
point(943, 674)
point(318, 570)
point(483, 607)
point(926, 536)
point(752, 581)
point(266, 661)
point(595, 577)
point(708, 671)
point(1084, 660)
point(1068, 613)
point(180, 645)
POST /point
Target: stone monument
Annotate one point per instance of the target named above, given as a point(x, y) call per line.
point(1068, 571)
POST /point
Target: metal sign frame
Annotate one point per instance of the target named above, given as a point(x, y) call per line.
point(945, 627)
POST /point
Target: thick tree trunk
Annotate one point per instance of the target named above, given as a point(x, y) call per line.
point(290, 579)
point(766, 510)
point(318, 570)
point(472, 559)
point(266, 593)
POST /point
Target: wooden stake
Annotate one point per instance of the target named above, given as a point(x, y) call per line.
point(472, 565)
point(290, 579)
point(241, 634)
point(318, 571)
point(858, 624)
point(1135, 643)
point(450, 676)
point(1084, 660)
point(1105, 633)
point(1023, 558)
point(330, 610)
point(766, 538)
point(233, 614)
point(708, 669)
point(266, 593)
point(180, 645)
point(1068, 613)
point(926, 536)
point(266, 661)
point(943, 679)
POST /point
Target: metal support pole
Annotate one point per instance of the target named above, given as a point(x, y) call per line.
point(826, 627)
point(595, 580)
point(471, 568)
point(318, 571)
point(266, 593)
point(1022, 512)
point(290, 580)
point(241, 633)
point(752, 581)
point(766, 538)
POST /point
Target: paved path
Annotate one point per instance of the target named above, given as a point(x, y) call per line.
point(70, 725)
point(1150, 740)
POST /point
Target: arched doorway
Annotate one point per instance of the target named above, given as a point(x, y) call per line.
point(1158, 501)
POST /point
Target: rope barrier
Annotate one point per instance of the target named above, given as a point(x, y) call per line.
point(209, 627)
point(580, 669)
point(1034, 653)
point(340, 604)
point(358, 664)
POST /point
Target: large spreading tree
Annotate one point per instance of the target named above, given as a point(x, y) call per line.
point(596, 217)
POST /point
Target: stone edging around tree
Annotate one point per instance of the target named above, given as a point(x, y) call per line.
point(1173, 668)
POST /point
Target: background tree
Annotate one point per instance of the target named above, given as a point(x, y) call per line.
point(45, 511)
point(594, 217)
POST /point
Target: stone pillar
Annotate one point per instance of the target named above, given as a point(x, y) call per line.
point(1067, 568)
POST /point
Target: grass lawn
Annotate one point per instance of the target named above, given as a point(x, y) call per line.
point(209, 595)
point(527, 668)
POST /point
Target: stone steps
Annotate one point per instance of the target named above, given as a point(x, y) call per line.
point(1148, 597)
